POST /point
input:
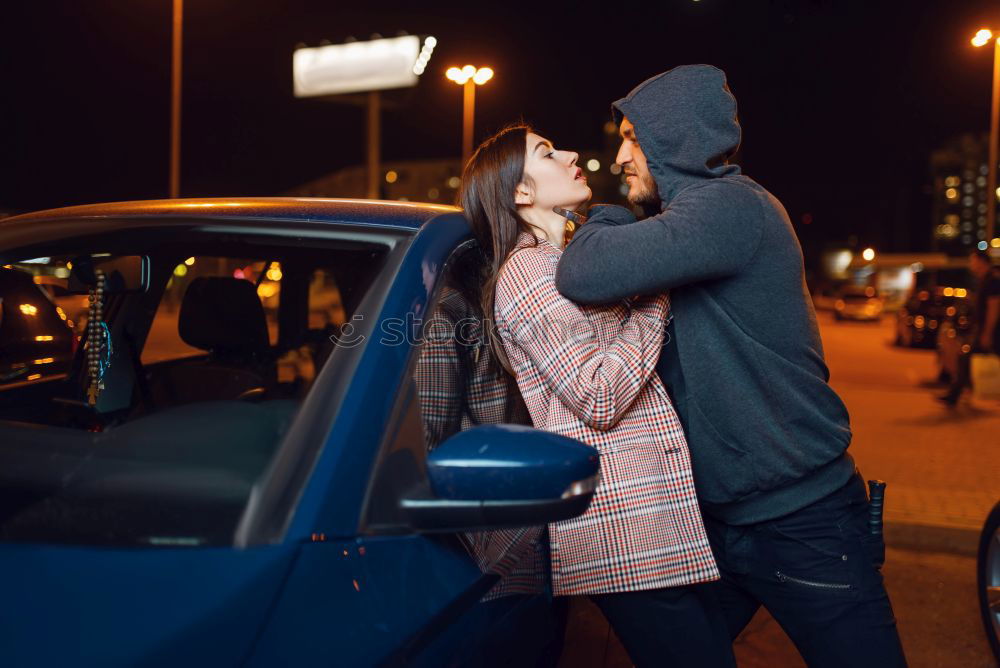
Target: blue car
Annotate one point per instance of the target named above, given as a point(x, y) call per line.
point(232, 468)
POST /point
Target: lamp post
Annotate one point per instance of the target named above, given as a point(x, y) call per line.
point(468, 77)
point(982, 38)
point(175, 103)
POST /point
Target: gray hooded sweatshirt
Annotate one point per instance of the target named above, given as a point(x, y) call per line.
point(743, 360)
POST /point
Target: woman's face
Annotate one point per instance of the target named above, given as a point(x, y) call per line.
point(552, 177)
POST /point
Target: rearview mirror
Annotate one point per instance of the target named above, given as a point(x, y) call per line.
point(123, 273)
point(496, 476)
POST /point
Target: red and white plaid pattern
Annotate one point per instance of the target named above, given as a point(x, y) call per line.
point(459, 389)
point(588, 372)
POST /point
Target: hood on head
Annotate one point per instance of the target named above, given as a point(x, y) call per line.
point(685, 121)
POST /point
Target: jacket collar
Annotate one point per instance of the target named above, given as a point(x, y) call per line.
point(526, 240)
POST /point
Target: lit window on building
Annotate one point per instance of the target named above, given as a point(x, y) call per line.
point(952, 181)
point(951, 193)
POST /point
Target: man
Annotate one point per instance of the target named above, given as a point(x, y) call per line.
point(784, 506)
point(985, 333)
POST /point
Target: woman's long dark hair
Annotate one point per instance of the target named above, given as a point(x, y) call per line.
point(489, 181)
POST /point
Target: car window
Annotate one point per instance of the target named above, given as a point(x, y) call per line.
point(164, 341)
point(149, 423)
point(37, 339)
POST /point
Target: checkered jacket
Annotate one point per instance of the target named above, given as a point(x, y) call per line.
point(588, 372)
point(459, 388)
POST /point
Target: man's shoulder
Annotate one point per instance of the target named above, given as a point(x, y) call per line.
point(736, 189)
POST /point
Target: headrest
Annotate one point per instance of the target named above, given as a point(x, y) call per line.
point(223, 314)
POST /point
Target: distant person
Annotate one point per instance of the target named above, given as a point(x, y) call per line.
point(985, 316)
point(640, 550)
point(784, 507)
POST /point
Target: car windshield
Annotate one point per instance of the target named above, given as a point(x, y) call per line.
point(147, 378)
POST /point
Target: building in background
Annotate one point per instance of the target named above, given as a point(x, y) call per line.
point(960, 199)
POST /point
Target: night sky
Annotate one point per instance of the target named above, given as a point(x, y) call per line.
point(841, 101)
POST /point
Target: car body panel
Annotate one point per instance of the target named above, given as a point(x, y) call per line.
point(378, 594)
point(149, 607)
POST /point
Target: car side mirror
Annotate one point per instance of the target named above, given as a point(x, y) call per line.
point(495, 476)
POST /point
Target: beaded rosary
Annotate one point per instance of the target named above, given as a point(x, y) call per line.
point(98, 344)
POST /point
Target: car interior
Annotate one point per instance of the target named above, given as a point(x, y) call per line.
point(183, 356)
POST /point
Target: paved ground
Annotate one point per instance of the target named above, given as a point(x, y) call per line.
point(942, 465)
point(933, 594)
point(943, 472)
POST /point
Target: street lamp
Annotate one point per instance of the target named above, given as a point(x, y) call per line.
point(469, 77)
point(175, 103)
point(982, 38)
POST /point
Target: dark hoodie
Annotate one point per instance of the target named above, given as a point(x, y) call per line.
point(744, 362)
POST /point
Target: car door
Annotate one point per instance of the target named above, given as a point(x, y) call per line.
point(117, 520)
point(366, 589)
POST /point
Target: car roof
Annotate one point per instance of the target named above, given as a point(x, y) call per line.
point(410, 215)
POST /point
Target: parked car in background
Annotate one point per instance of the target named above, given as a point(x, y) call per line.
point(825, 297)
point(919, 321)
point(231, 467)
point(861, 303)
point(35, 339)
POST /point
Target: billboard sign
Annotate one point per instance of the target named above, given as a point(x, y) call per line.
point(395, 62)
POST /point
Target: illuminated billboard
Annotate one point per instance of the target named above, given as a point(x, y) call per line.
point(395, 62)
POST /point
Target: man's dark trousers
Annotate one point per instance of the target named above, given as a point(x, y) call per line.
point(817, 573)
point(681, 627)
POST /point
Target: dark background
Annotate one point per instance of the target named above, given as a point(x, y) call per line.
point(841, 101)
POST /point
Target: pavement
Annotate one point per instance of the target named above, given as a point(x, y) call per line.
point(942, 467)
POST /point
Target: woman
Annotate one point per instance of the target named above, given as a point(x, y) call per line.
point(640, 551)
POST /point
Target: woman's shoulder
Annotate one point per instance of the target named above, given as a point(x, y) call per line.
point(527, 261)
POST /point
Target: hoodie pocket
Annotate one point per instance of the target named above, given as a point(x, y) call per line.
point(723, 472)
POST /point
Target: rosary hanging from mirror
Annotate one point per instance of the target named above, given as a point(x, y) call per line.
point(98, 345)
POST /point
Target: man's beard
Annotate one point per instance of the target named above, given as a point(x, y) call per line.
point(647, 195)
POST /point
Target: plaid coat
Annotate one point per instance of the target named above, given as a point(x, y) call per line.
point(458, 389)
point(588, 372)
